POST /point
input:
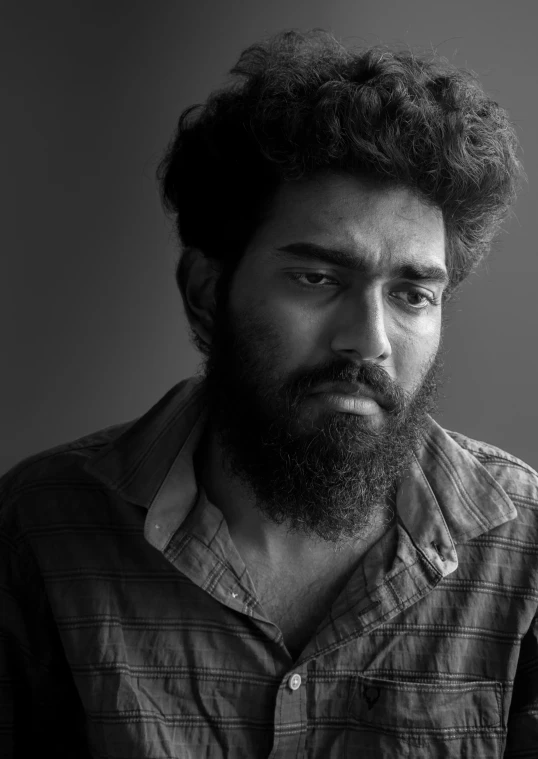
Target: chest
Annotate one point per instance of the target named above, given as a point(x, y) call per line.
point(298, 604)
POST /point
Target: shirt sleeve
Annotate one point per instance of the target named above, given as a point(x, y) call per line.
point(40, 710)
point(522, 738)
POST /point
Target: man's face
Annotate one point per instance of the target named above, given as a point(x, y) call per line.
point(293, 320)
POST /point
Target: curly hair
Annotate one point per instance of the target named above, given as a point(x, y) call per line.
point(301, 104)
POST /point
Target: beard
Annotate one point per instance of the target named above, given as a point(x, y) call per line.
point(330, 475)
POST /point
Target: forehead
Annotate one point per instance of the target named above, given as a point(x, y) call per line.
point(381, 224)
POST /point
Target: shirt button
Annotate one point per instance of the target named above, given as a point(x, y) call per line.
point(294, 682)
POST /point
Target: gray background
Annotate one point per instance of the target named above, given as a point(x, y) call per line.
point(92, 326)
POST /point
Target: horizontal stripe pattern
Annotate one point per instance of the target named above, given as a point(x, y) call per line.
point(129, 626)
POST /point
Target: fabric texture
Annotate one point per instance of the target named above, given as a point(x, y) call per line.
point(130, 626)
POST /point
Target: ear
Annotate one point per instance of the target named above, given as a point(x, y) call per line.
point(201, 276)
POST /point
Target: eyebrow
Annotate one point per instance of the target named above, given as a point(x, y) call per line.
point(406, 269)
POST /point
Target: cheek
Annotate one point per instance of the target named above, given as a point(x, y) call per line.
point(412, 355)
point(284, 322)
point(292, 334)
point(266, 331)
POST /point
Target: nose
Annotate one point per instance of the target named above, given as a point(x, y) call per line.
point(360, 329)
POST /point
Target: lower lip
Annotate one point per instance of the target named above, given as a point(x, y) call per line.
point(351, 403)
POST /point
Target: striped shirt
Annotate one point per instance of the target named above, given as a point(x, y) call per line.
point(130, 627)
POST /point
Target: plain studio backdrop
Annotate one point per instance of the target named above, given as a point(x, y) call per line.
point(92, 328)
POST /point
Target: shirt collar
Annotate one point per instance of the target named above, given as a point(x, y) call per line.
point(447, 497)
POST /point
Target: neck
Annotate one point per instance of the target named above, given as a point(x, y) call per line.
point(253, 534)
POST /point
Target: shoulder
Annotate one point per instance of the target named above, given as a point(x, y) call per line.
point(44, 475)
point(514, 475)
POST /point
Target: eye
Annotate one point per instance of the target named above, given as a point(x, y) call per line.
point(297, 276)
point(415, 299)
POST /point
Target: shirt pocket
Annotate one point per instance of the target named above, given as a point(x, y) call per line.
point(406, 718)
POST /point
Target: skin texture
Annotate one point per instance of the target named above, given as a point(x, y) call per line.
point(292, 475)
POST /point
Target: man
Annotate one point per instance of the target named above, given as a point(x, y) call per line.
point(287, 556)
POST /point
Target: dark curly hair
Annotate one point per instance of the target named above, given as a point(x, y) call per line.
point(305, 104)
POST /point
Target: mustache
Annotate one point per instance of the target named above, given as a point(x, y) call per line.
point(372, 376)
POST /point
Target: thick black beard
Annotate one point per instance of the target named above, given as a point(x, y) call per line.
point(331, 477)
